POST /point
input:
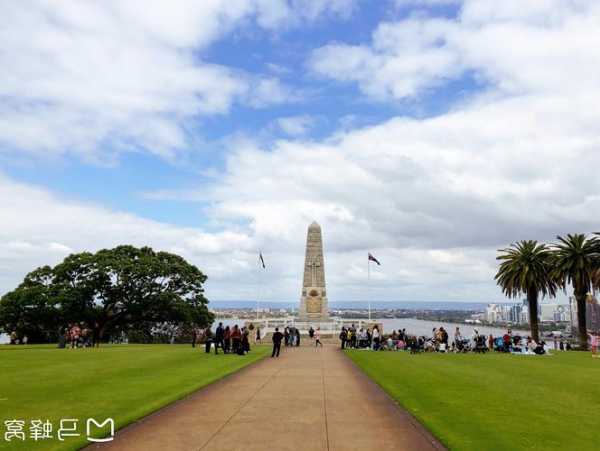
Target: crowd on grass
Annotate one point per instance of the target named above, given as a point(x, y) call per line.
point(440, 341)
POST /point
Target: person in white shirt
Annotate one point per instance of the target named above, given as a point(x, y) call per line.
point(375, 338)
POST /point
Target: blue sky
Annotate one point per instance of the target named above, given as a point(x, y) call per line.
point(255, 51)
point(409, 128)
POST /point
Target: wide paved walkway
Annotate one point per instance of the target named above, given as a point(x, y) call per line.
point(308, 399)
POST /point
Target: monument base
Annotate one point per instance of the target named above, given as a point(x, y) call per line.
point(313, 307)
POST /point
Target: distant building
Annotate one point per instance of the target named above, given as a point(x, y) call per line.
point(592, 314)
point(507, 313)
point(554, 313)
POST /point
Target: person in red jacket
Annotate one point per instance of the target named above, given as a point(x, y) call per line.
point(236, 339)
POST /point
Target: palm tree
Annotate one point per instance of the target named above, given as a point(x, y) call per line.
point(526, 268)
point(577, 259)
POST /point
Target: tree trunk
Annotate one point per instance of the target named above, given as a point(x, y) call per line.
point(581, 322)
point(98, 334)
point(532, 301)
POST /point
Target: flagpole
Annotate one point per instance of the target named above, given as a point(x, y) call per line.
point(258, 294)
point(369, 284)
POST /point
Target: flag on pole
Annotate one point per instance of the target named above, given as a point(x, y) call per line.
point(373, 259)
point(262, 260)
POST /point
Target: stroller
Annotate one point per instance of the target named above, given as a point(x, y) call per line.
point(480, 345)
point(462, 345)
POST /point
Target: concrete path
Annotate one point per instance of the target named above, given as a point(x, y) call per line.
point(308, 399)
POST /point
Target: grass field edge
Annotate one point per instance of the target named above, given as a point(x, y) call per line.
point(415, 420)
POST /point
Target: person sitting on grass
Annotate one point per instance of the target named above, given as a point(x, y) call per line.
point(540, 348)
point(531, 345)
point(391, 344)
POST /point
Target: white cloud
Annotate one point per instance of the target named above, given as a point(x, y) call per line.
point(87, 77)
point(509, 44)
point(295, 125)
point(39, 228)
point(432, 198)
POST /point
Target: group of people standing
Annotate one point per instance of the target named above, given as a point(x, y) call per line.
point(361, 338)
point(232, 340)
point(291, 336)
point(76, 335)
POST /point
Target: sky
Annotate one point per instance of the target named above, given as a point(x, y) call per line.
point(430, 133)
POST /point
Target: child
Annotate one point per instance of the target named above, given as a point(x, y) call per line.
point(318, 337)
point(594, 344)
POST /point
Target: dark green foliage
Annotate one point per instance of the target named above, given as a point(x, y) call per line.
point(111, 291)
point(577, 259)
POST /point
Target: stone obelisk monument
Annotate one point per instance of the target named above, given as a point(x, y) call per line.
point(313, 303)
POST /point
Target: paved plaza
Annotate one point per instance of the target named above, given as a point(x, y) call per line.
point(308, 399)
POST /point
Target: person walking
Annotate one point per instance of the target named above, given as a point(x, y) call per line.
point(258, 338)
point(277, 337)
point(318, 337)
point(297, 337)
point(311, 332)
point(219, 335)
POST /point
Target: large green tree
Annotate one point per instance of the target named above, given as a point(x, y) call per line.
point(577, 258)
point(32, 309)
point(526, 269)
point(115, 289)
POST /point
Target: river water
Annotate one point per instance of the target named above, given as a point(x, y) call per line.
point(413, 327)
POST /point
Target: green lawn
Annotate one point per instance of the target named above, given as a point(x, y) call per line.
point(124, 382)
point(495, 401)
